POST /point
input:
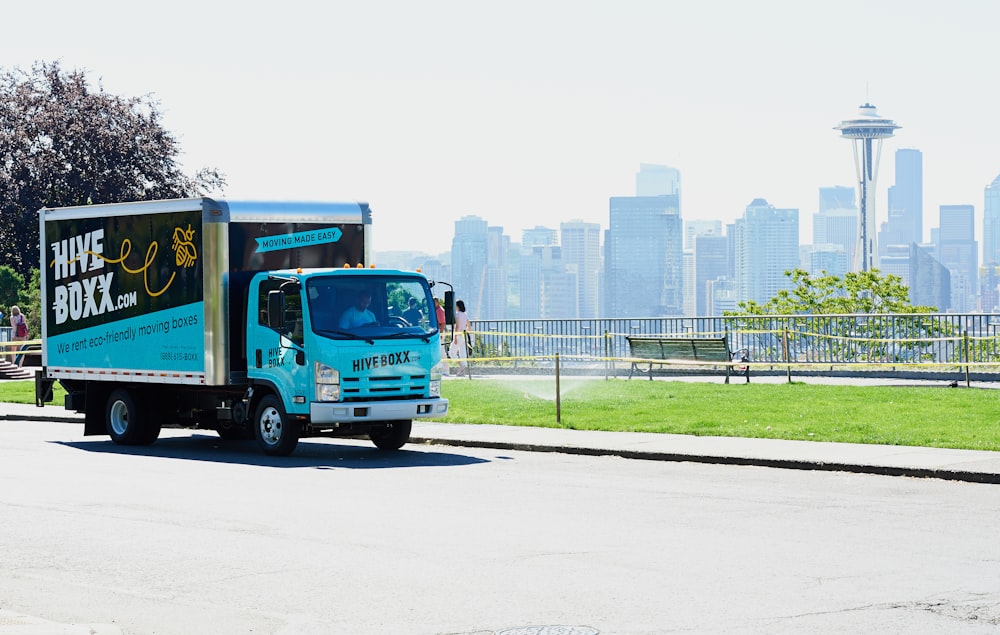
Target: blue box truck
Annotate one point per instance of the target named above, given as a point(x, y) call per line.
point(250, 318)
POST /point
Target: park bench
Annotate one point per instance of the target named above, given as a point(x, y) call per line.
point(684, 349)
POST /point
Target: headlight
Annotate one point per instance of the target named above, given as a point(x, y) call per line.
point(326, 374)
point(327, 392)
point(327, 381)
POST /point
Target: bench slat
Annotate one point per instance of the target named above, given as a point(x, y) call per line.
point(701, 349)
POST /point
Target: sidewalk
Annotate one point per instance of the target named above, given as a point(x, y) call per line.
point(960, 465)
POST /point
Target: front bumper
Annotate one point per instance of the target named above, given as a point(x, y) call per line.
point(371, 411)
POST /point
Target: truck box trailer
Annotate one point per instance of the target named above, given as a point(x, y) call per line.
point(239, 316)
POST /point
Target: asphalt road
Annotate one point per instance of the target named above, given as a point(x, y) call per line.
point(196, 535)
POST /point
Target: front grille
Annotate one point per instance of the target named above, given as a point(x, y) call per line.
point(387, 387)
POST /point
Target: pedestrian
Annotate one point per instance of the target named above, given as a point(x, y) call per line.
point(441, 320)
point(439, 312)
point(459, 348)
point(19, 327)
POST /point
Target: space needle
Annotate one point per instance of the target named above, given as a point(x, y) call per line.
point(867, 131)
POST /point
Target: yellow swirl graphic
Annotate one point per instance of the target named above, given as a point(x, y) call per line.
point(185, 255)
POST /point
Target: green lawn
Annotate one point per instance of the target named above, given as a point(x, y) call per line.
point(24, 392)
point(894, 415)
point(920, 416)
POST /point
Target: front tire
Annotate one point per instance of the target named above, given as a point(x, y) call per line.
point(392, 437)
point(276, 435)
point(125, 423)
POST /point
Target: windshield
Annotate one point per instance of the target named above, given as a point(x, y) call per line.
point(371, 306)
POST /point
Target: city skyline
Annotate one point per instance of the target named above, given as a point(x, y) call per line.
point(535, 112)
point(654, 263)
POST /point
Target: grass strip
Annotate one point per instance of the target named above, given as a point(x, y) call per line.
point(925, 416)
point(888, 415)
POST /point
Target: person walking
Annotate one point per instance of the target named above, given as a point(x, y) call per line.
point(459, 345)
point(441, 324)
point(19, 327)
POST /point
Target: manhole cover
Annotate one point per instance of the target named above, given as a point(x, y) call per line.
point(549, 630)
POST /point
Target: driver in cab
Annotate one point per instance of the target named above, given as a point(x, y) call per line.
point(358, 315)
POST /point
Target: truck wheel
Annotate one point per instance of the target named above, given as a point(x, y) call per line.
point(393, 437)
point(124, 422)
point(151, 430)
point(276, 435)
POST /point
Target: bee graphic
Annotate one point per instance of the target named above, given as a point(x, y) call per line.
point(184, 250)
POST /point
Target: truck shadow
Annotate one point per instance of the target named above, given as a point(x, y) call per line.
point(324, 454)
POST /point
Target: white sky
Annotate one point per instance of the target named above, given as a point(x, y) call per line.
point(529, 112)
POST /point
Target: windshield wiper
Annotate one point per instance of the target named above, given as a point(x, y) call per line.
point(347, 334)
point(401, 334)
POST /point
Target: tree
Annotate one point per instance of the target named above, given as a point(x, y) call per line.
point(30, 298)
point(857, 292)
point(63, 144)
point(856, 329)
point(11, 286)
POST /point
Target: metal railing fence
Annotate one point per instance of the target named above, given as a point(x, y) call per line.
point(917, 339)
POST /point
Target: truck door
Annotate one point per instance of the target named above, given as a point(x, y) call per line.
point(276, 348)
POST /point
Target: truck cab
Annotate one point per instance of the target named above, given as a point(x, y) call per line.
point(329, 352)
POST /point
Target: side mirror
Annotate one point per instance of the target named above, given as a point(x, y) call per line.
point(449, 307)
point(276, 309)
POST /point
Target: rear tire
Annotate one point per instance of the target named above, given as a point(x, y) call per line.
point(393, 437)
point(276, 435)
point(125, 422)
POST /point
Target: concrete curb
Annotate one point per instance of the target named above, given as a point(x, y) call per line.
point(788, 464)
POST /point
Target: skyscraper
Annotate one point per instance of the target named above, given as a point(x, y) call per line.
point(836, 197)
point(468, 261)
point(957, 250)
point(694, 228)
point(538, 236)
point(711, 263)
point(493, 295)
point(479, 267)
point(930, 282)
point(906, 201)
point(692, 287)
point(548, 287)
point(657, 180)
point(989, 295)
point(991, 223)
point(836, 223)
point(643, 252)
point(581, 250)
point(828, 257)
point(767, 245)
point(867, 131)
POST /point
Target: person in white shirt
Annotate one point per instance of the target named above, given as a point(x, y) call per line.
point(458, 349)
point(359, 314)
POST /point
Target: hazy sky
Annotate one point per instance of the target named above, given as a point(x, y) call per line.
point(528, 112)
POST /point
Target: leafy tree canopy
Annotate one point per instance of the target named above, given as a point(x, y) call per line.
point(11, 286)
point(856, 292)
point(62, 144)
